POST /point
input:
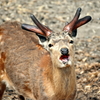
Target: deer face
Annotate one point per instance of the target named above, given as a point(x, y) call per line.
point(60, 45)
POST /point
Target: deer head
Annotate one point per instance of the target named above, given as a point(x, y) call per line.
point(60, 45)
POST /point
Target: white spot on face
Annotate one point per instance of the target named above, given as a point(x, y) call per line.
point(69, 63)
point(62, 65)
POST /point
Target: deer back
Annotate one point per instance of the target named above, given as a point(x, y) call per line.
point(24, 55)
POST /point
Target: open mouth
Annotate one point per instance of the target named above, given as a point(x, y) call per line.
point(64, 58)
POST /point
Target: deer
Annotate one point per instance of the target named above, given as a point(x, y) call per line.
point(37, 62)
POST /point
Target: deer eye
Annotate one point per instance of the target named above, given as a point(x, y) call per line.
point(71, 41)
point(50, 45)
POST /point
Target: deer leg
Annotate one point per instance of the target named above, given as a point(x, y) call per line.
point(2, 75)
point(2, 89)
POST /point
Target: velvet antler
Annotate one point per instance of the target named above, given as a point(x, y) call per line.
point(82, 21)
point(75, 23)
point(40, 29)
point(70, 26)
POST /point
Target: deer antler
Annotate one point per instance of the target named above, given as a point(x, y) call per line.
point(82, 21)
point(69, 27)
point(75, 23)
point(32, 28)
point(46, 30)
point(41, 29)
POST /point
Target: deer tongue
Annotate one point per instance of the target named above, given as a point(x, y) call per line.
point(64, 58)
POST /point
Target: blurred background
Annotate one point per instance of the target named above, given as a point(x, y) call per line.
point(54, 14)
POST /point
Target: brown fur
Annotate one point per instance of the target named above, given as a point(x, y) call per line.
point(31, 68)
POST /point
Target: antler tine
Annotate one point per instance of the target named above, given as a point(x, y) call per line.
point(32, 28)
point(69, 27)
point(43, 28)
point(82, 21)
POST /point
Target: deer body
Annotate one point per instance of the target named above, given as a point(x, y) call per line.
point(38, 66)
point(39, 79)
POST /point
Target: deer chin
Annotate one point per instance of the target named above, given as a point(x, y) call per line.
point(65, 60)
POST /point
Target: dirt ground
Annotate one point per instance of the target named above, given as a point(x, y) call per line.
point(54, 13)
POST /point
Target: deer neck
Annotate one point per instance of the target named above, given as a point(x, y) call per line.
point(57, 80)
point(60, 79)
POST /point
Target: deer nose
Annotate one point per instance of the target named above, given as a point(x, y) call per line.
point(64, 51)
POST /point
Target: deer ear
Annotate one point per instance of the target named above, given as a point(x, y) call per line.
point(35, 29)
point(42, 38)
point(74, 33)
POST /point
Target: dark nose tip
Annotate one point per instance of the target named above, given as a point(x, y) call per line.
point(64, 51)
